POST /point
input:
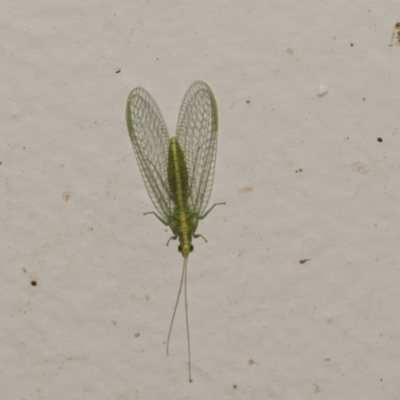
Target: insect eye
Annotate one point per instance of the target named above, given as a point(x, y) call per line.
point(180, 248)
point(191, 248)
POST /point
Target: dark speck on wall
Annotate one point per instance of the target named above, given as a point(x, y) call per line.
point(66, 196)
point(395, 39)
point(380, 139)
point(33, 283)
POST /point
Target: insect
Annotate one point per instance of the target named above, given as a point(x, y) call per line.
point(178, 172)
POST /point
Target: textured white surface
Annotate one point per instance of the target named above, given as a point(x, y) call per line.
point(302, 173)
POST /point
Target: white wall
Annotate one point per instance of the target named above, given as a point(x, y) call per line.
point(304, 90)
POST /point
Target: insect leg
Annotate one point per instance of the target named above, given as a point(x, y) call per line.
point(152, 212)
point(197, 235)
point(172, 238)
point(209, 210)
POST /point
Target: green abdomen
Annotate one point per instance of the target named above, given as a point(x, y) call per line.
point(177, 174)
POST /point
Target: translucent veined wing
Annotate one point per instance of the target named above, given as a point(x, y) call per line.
point(150, 140)
point(197, 135)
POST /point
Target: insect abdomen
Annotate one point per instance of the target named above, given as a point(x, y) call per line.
point(177, 173)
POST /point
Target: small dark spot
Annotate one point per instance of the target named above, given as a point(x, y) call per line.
point(247, 101)
point(33, 283)
point(381, 379)
point(351, 44)
point(118, 71)
point(304, 260)
point(66, 196)
point(24, 147)
point(327, 359)
point(235, 386)
point(190, 380)
point(397, 26)
point(316, 388)
point(379, 139)
point(136, 334)
point(24, 269)
point(251, 362)
point(1, 163)
point(363, 99)
point(299, 170)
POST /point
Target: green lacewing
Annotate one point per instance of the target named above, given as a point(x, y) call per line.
point(178, 172)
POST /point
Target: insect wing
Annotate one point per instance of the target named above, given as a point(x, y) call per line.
point(197, 133)
point(149, 136)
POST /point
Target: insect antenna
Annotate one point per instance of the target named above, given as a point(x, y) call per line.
point(183, 282)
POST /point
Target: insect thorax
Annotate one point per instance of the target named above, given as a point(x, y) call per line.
point(183, 223)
